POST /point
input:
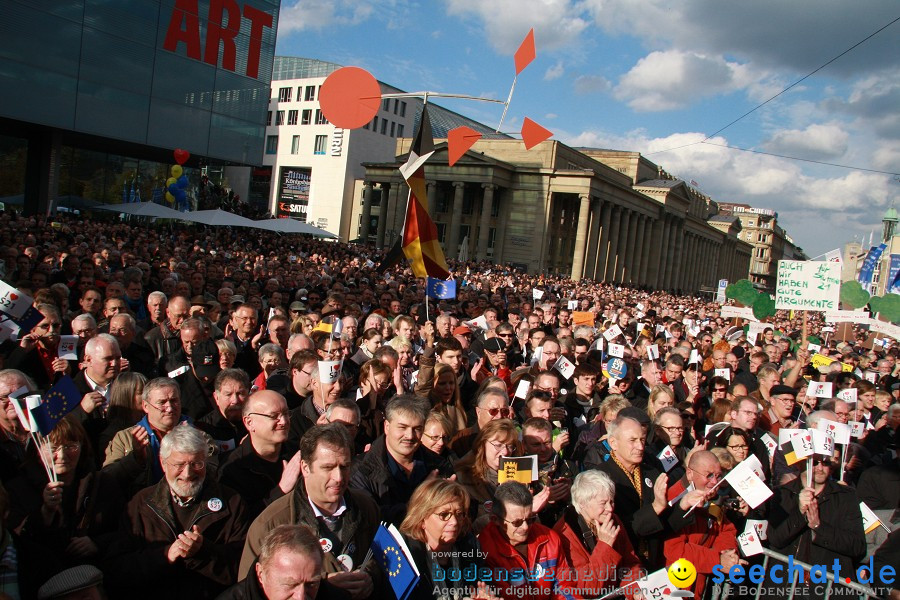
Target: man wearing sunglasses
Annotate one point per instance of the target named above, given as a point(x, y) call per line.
point(818, 524)
point(515, 544)
point(491, 405)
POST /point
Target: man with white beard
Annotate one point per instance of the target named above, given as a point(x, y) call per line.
point(187, 531)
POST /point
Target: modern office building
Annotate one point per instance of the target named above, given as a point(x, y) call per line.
point(95, 95)
point(310, 168)
point(599, 214)
point(770, 241)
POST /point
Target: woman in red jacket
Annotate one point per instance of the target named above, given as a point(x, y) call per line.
point(598, 551)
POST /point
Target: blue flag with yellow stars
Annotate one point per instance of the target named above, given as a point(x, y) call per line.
point(59, 401)
point(391, 553)
point(440, 289)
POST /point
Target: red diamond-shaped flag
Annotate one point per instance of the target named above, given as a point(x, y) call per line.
point(526, 53)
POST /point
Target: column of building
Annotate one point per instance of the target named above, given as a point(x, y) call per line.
point(590, 261)
point(366, 212)
point(581, 235)
point(455, 219)
point(611, 258)
point(487, 208)
point(649, 228)
point(606, 211)
point(383, 213)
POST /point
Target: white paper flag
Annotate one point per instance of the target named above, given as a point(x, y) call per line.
point(68, 345)
point(653, 352)
point(13, 302)
point(857, 428)
point(654, 586)
point(564, 366)
point(870, 519)
point(668, 458)
point(537, 294)
point(726, 373)
point(479, 322)
point(771, 444)
point(522, 389)
point(760, 526)
point(573, 304)
point(612, 333)
point(815, 348)
point(839, 431)
point(750, 487)
point(179, 371)
point(819, 389)
point(750, 544)
point(802, 443)
point(695, 357)
point(617, 350)
point(823, 443)
point(848, 395)
point(329, 370)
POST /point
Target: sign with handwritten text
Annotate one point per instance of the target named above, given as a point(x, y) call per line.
point(808, 285)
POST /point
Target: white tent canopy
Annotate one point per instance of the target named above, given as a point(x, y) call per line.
point(142, 209)
point(293, 226)
point(217, 217)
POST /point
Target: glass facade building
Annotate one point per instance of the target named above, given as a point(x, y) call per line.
point(136, 79)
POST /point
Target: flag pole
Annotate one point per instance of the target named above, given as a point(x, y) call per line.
point(843, 461)
point(508, 100)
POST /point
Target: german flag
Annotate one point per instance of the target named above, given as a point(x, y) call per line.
point(420, 236)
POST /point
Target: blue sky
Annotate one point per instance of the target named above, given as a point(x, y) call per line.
point(653, 75)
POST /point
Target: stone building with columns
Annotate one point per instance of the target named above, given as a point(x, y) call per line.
point(598, 214)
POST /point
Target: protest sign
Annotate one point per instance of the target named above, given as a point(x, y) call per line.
point(808, 285)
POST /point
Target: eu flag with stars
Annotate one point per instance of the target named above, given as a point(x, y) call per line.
point(440, 289)
point(392, 555)
point(59, 401)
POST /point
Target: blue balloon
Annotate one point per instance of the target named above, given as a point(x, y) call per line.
point(182, 181)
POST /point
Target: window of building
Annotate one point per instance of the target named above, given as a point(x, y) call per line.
point(375, 124)
point(307, 116)
point(269, 119)
point(295, 144)
point(320, 118)
point(399, 129)
point(495, 208)
point(396, 105)
point(279, 120)
point(386, 105)
point(393, 127)
point(384, 124)
point(284, 94)
point(272, 144)
point(402, 109)
point(468, 206)
point(292, 117)
point(319, 147)
point(299, 92)
point(441, 231)
point(310, 93)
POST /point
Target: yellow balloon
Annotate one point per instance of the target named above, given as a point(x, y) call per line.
point(177, 171)
point(170, 198)
point(170, 181)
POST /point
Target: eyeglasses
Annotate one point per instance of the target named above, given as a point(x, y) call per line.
point(435, 438)
point(196, 465)
point(718, 389)
point(503, 411)
point(738, 447)
point(516, 523)
point(542, 394)
point(671, 429)
point(67, 448)
point(826, 462)
point(506, 447)
point(445, 515)
point(708, 476)
point(274, 417)
point(688, 415)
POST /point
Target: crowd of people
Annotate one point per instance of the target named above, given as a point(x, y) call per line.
point(254, 406)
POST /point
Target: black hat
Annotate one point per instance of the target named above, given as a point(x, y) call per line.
point(779, 390)
point(494, 345)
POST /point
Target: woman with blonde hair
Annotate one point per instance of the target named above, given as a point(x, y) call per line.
point(661, 396)
point(478, 470)
point(437, 532)
point(227, 353)
point(436, 436)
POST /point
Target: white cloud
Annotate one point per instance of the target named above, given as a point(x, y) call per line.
point(550, 116)
point(319, 14)
point(815, 211)
point(668, 80)
point(554, 72)
point(590, 84)
point(816, 142)
point(506, 22)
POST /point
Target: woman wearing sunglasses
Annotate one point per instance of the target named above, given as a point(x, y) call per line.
point(477, 471)
point(437, 532)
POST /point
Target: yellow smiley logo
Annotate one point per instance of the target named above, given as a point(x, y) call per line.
point(682, 573)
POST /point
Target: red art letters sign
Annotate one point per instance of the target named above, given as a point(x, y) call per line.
point(222, 27)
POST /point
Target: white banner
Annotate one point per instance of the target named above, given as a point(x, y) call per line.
point(847, 316)
point(808, 285)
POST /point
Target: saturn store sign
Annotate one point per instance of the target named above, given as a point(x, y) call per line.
point(293, 198)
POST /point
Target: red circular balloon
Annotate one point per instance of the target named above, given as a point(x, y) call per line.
point(350, 97)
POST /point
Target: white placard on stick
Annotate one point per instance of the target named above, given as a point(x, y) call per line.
point(808, 285)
